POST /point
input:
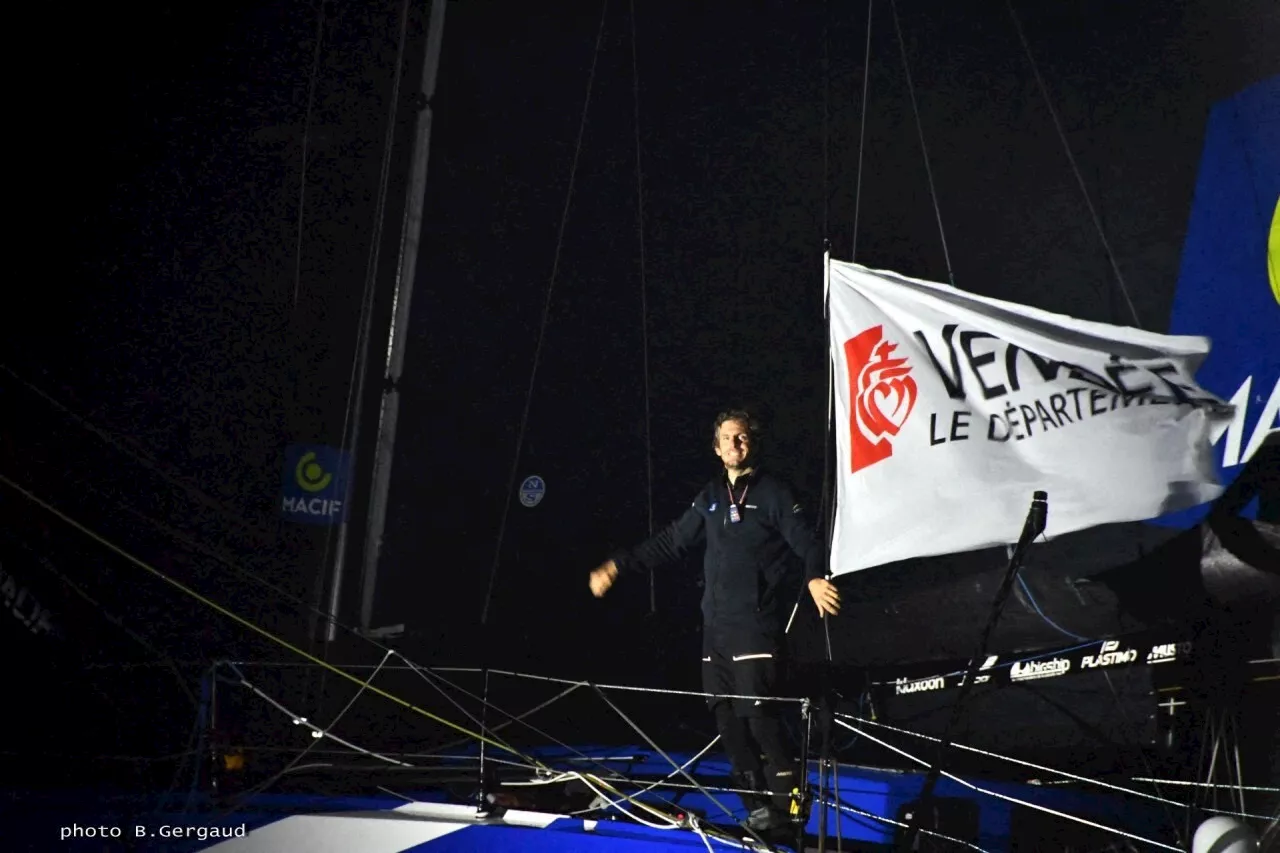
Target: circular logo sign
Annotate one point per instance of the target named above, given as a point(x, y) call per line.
point(532, 490)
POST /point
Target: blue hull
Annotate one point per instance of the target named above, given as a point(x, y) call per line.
point(873, 801)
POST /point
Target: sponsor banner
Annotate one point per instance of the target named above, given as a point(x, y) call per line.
point(1109, 655)
point(1168, 652)
point(922, 685)
point(315, 484)
point(1140, 650)
point(1027, 670)
point(952, 409)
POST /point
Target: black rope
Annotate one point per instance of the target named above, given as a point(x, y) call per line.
point(862, 135)
point(928, 169)
point(546, 311)
point(354, 406)
point(644, 301)
point(702, 790)
point(1075, 169)
point(826, 121)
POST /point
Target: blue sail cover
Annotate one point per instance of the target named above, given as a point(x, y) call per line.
point(1226, 287)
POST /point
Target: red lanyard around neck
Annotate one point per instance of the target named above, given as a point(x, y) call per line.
point(745, 489)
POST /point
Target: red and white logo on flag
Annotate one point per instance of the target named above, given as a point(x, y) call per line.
point(883, 395)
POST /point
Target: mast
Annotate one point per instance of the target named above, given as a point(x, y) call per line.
point(392, 299)
point(401, 295)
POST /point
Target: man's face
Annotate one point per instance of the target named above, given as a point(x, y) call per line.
point(733, 444)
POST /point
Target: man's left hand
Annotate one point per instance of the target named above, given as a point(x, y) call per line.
point(825, 595)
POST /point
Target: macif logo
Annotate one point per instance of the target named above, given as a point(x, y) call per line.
point(310, 475)
point(883, 395)
point(315, 484)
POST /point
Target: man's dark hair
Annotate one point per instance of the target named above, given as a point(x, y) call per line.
point(753, 425)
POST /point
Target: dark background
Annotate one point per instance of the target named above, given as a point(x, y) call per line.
point(170, 328)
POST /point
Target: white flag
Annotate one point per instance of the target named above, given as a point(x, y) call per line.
point(953, 409)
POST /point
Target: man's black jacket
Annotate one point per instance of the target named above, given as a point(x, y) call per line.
point(750, 577)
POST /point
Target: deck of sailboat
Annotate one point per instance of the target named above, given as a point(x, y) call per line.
point(348, 795)
point(873, 803)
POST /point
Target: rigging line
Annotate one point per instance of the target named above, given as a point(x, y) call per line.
point(125, 446)
point(1035, 806)
point(644, 297)
point(210, 552)
point(1075, 169)
point(423, 674)
point(835, 792)
point(1131, 731)
point(354, 403)
point(672, 823)
point(1264, 789)
point(827, 502)
point(826, 120)
point(862, 134)
point(196, 742)
point(546, 310)
point(915, 109)
point(1063, 773)
point(673, 763)
point(163, 659)
point(351, 747)
point(1026, 590)
point(664, 780)
point(627, 687)
point(825, 522)
point(306, 145)
point(613, 775)
point(1022, 584)
point(840, 805)
point(375, 240)
point(248, 574)
point(240, 620)
point(385, 755)
point(317, 735)
point(72, 756)
point(517, 717)
point(292, 369)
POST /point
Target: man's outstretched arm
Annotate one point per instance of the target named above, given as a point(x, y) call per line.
point(666, 546)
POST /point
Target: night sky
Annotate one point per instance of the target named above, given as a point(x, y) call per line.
point(178, 307)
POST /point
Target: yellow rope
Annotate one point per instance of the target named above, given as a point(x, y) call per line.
point(299, 652)
point(356, 680)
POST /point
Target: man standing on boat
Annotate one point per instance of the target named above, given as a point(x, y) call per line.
point(753, 529)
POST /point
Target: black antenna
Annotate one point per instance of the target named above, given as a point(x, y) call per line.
point(1037, 518)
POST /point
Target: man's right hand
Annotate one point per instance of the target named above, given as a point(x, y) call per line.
point(603, 577)
point(825, 595)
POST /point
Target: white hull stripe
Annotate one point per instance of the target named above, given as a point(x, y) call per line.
point(395, 831)
point(751, 657)
point(343, 833)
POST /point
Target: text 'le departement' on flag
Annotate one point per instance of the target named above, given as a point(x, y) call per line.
point(953, 409)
